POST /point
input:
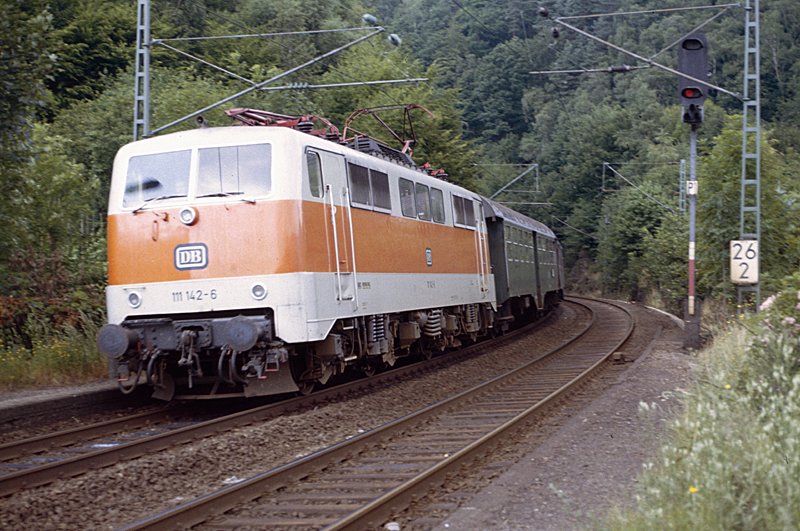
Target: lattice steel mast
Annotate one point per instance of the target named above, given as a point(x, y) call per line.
point(141, 101)
point(750, 196)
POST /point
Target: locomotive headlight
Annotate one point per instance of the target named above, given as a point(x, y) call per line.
point(258, 292)
point(188, 215)
point(134, 299)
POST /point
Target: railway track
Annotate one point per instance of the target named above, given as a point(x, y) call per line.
point(360, 482)
point(40, 460)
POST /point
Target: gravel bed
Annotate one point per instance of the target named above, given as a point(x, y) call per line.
point(32, 412)
point(113, 496)
point(582, 458)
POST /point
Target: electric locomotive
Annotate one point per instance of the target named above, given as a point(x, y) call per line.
point(249, 261)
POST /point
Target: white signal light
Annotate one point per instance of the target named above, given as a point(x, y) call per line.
point(258, 292)
point(188, 215)
point(134, 299)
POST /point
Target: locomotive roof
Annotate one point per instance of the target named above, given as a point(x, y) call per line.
point(212, 135)
point(496, 210)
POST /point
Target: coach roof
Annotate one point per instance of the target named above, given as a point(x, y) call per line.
point(496, 210)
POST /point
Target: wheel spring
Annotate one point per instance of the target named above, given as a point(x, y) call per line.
point(433, 325)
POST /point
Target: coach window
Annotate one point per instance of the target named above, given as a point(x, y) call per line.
point(423, 202)
point(437, 205)
point(407, 205)
point(314, 168)
point(235, 170)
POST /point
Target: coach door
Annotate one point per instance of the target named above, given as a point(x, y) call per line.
point(341, 239)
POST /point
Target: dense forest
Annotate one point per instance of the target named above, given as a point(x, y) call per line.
point(606, 145)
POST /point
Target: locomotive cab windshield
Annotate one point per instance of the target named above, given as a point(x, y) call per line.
point(224, 171)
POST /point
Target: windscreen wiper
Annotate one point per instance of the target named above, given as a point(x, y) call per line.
point(157, 198)
point(229, 194)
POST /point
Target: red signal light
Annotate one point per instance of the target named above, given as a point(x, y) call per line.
point(691, 93)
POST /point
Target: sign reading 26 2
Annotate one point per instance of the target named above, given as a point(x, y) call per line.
point(744, 261)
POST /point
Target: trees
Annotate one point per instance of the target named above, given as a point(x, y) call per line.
point(25, 62)
point(718, 210)
point(69, 70)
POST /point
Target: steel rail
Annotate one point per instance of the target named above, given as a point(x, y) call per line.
point(210, 505)
point(78, 464)
point(368, 516)
point(41, 443)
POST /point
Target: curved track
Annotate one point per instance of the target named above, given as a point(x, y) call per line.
point(360, 482)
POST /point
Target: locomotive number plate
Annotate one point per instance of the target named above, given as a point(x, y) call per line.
point(194, 295)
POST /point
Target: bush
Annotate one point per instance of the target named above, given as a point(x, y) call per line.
point(70, 357)
point(732, 462)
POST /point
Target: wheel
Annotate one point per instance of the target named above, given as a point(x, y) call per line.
point(370, 368)
point(425, 351)
point(305, 387)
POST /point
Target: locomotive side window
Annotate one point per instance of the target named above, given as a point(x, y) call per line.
point(359, 184)
point(235, 170)
point(369, 188)
point(469, 212)
point(314, 168)
point(381, 197)
point(407, 203)
point(437, 205)
point(458, 209)
point(423, 202)
point(463, 211)
point(157, 175)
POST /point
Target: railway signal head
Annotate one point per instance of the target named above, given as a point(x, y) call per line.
point(693, 61)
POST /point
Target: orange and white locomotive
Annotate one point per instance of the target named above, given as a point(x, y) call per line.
point(261, 260)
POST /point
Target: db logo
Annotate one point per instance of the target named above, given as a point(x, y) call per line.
point(191, 256)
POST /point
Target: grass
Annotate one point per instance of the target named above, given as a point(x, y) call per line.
point(71, 358)
point(733, 458)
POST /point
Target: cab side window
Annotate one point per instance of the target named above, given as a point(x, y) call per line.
point(463, 212)
point(314, 167)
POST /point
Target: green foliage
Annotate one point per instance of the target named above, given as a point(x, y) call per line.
point(54, 269)
point(93, 46)
point(96, 129)
point(69, 64)
point(25, 62)
point(730, 461)
point(629, 217)
point(51, 198)
point(718, 209)
point(662, 268)
point(69, 358)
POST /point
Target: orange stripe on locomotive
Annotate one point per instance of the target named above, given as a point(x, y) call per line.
point(280, 236)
